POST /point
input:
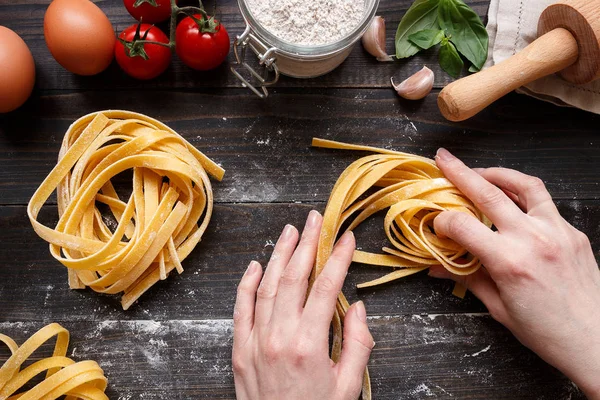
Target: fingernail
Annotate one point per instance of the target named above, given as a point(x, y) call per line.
point(252, 267)
point(346, 238)
point(478, 170)
point(287, 232)
point(444, 155)
point(361, 312)
point(312, 219)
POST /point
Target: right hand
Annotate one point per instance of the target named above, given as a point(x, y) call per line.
point(541, 279)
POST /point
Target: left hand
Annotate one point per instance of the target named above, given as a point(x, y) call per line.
point(281, 344)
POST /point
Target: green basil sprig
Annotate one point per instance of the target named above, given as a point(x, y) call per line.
point(450, 23)
point(423, 14)
point(450, 60)
point(427, 38)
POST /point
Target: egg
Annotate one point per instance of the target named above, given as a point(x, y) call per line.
point(17, 71)
point(79, 36)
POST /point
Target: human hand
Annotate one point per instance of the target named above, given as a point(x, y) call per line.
point(541, 279)
point(281, 344)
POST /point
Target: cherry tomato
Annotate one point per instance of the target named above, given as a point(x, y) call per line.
point(149, 11)
point(142, 60)
point(201, 43)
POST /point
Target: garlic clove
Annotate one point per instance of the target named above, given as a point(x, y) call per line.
point(417, 86)
point(374, 40)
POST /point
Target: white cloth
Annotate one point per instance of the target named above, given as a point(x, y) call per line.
point(512, 25)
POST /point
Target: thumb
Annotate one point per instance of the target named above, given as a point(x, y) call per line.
point(356, 350)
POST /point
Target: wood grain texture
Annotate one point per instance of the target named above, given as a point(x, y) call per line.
point(206, 290)
point(448, 356)
point(359, 70)
point(176, 342)
point(265, 145)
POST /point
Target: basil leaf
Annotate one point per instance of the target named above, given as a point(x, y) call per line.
point(421, 15)
point(427, 38)
point(473, 69)
point(450, 60)
point(465, 30)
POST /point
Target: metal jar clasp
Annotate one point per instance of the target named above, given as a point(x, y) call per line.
point(266, 58)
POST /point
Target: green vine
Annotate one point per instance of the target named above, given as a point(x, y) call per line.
point(205, 24)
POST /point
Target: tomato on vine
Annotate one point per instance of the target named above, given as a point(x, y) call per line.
point(149, 11)
point(201, 42)
point(138, 56)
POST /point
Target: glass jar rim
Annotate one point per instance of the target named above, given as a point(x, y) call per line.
point(317, 51)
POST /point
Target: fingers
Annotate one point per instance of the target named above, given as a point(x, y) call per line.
point(470, 233)
point(321, 302)
point(510, 194)
point(530, 190)
point(356, 349)
point(480, 283)
point(294, 281)
point(487, 197)
point(267, 291)
point(243, 313)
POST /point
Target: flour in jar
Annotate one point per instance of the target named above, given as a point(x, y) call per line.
point(308, 22)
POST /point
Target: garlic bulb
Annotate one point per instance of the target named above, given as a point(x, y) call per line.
point(374, 40)
point(416, 86)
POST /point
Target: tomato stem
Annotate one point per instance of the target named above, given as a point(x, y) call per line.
point(173, 28)
point(154, 42)
point(140, 2)
point(175, 11)
point(194, 10)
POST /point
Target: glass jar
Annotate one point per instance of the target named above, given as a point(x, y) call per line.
point(277, 56)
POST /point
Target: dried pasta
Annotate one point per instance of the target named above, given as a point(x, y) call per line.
point(157, 227)
point(64, 377)
point(414, 191)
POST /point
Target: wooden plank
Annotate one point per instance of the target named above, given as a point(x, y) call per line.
point(416, 356)
point(265, 145)
point(35, 285)
point(359, 70)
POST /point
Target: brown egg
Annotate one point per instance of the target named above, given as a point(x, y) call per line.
point(79, 36)
point(17, 71)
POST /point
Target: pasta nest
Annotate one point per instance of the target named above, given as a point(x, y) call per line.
point(414, 191)
point(77, 380)
point(154, 230)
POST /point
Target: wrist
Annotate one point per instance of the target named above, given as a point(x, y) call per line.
point(586, 375)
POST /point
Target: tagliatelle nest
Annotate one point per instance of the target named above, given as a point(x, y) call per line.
point(64, 377)
point(414, 191)
point(159, 225)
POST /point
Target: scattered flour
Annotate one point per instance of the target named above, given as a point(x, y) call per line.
point(310, 23)
point(424, 389)
point(49, 290)
point(263, 142)
point(479, 352)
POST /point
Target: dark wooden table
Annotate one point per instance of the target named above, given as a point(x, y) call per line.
point(175, 343)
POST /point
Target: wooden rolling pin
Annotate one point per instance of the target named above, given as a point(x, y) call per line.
point(568, 43)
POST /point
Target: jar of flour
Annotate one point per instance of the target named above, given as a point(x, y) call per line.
point(297, 38)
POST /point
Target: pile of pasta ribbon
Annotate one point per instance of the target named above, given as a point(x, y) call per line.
point(158, 226)
point(414, 191)
point(64, 377)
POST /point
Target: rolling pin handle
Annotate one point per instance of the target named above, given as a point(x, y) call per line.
point(549, 54)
